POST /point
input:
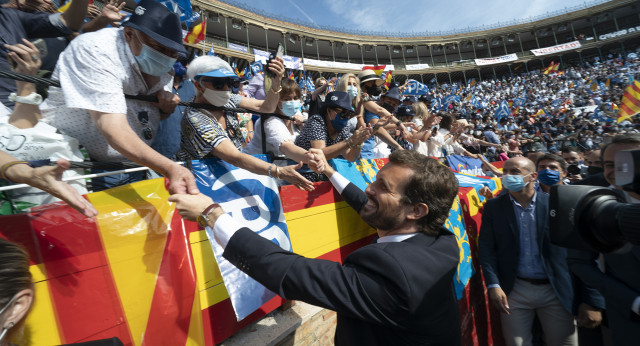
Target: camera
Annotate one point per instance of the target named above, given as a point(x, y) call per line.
point(597, 218)
point(573, 169)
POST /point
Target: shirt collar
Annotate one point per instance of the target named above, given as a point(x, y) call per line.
point(396, 238)
point(531, 204)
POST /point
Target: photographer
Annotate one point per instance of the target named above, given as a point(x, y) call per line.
point(573, 158)
point(620, 282)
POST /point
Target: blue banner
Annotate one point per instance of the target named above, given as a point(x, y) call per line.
point(253, 201)
point(256, 67)
point(180, 7)
point(415, 88)
point(450, 99)
point(503, 110)
point(465, 164)
point(519, 102)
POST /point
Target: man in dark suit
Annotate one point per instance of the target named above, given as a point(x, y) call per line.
point(396, 291)
point(620, 281)
point(525, 274)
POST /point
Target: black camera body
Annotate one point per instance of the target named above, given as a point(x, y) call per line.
point(597, 218)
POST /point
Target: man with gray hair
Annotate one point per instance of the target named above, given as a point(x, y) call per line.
point(96, 71)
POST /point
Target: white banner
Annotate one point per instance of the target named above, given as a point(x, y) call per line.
point(341, 65)
point(416, 67)
point(496, 60)
point(290, 62)
point(238, 47)
point(555, 49)
point(619, 33)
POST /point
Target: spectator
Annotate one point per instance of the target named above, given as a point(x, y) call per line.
point(328, 131)
point(16, 25)
point(97, 70)
point(215, 133)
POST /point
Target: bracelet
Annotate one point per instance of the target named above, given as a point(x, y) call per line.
point(277, 172)
point(398, 123)
point(349, 142)
point(269, 171)
point(276, 92)
point(7, 165)
point(31, 99)
point(250, 132)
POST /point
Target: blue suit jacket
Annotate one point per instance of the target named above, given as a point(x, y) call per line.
point(499, 246)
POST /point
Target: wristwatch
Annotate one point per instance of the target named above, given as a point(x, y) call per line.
point(203, 218)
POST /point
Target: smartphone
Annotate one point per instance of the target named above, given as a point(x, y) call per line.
point(268, 74)
point(42, 47)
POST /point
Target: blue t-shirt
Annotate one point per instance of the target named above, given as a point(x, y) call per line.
point(367, 147)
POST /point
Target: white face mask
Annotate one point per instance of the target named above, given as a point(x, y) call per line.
point(217, 98)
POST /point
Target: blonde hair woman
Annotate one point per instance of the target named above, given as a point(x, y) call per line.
point(350, 84)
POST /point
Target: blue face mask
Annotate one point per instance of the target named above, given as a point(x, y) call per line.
point(178, 69)
point(290, 108)
point(153, 62)
point(339, 122)
point(514, 182)
point(352, 91)
point(548, 177)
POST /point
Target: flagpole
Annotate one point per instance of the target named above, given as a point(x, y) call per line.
point(204, 42)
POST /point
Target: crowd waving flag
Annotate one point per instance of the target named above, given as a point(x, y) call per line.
point(377, 69)
point(197, 33)
point(630, 105)
point(552, 68)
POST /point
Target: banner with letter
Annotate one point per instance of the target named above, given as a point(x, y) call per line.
point(290, 62)
point(556, 49)
point(465, 164)
point(496, 60)
point(415, 88)
point(253, 201)
point(412, 67)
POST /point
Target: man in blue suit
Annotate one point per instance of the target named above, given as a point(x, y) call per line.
point(525, 274)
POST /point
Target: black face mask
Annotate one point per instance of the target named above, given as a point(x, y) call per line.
point(373, 90)
point(592, 170)
point(388, 107)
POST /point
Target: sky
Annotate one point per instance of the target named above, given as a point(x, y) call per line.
point(410, 16)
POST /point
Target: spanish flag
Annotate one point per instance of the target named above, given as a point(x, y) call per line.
point(377, 69)
point(552, 68)
point(197, 33)
point(540, 112)
point(630, 105)
point(388, 78)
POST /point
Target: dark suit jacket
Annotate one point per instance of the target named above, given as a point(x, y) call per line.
point(620, 286)
point(499, 246)
point(384, 294)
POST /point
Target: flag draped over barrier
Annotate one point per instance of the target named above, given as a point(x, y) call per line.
point(139, 272)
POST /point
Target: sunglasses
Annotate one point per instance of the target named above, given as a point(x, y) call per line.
point(220, 83)
point(344, 114)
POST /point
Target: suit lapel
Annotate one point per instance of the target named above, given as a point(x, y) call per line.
point(541, 218)
point(507, 208)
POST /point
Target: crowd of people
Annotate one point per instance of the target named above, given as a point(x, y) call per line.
point(550, 129)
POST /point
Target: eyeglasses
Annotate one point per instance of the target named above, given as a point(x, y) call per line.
point(143, 118)
point(220, 83)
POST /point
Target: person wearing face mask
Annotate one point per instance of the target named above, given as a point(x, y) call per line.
point(350, 84)
point(280, 131)
point(96, 71)
point(379, 147)
point(167, 139)
point(552, 169)
point(526, 275)
point(329, 132)
point(216, 133)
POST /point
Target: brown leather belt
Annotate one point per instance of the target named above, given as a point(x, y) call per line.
point(535, 281)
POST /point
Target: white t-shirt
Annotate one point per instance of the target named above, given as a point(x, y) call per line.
point(276, 133)
point(96, 70)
